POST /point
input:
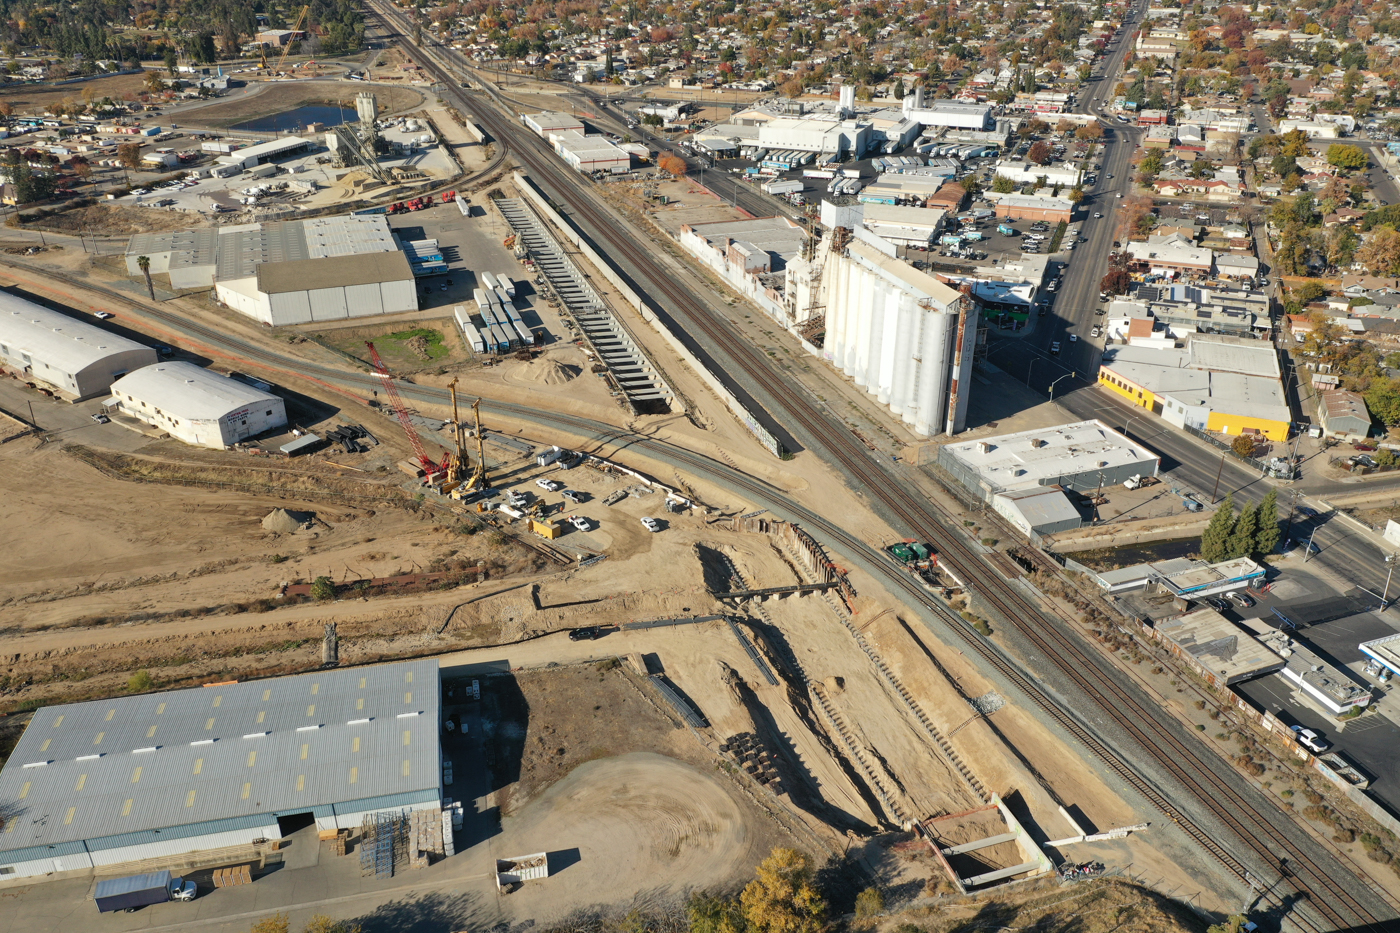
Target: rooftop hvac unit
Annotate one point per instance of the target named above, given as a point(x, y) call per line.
point(1037, 442)
point(986, 447)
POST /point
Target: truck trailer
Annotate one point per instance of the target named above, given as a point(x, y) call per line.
point(136, 891)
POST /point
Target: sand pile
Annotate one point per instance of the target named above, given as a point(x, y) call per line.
point(552, 373)
point(284, 522)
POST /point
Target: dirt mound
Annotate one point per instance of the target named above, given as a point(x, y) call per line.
point(552, 373)
point(284, 522)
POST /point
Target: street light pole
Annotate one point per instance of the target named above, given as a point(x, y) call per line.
point(1308, 552)
point(1029, 369)
point(1219, 471)
point(1385, 594)
point(1058, 381)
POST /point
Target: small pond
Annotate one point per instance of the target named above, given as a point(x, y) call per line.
point(298, 119)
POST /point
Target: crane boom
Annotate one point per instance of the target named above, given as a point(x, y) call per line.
point(295, 29)
point(382, 371)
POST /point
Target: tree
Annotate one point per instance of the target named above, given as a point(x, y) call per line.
point(81, 167)
point(1267, 534)
point(140, 682)
point(1383, 400)
point(672, 164)
point(782, 898)
point(129, 155)
point(323, 589)
point(1242, 537)
point(711, 913)
point(1039, 152)
point(1076, 194)
point(1232, 924)
point(1381, 253)
point(1116, 282)
point(204, 50)
point(144, 264)
point(1215, 540)
point(1243, 445)
point(320, 923)
point(1003, 185)
point(172, 61)
point(1064, 126)
point(1348, 158)
point(1089, 131)
point(277, 923)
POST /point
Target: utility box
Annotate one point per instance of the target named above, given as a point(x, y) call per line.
point(550, 530)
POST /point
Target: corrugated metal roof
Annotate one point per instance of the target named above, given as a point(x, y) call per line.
point(184, 390)
point(333, 272)
point(162, 763)
point(64, 343)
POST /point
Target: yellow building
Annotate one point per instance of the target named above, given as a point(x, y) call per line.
point(1224, 385)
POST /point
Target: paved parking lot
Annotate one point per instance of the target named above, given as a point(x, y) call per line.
point(1333, 625)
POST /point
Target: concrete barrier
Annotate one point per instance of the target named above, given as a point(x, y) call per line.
point(741, 412)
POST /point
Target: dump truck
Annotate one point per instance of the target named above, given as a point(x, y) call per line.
point(136, 891)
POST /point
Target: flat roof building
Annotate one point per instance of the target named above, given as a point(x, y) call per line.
point(1329, 686)
point(198, 406)
point(550, 121)
point(1384, 650)
point(113, 781)
point(1220, 650)
point(242, 262)
point(1081, 456)
point(962, 114)
point(1034, 207)
point(78, 359)
point(1182, 577)
point(904, 226)
point(267, 152)
point(815, 134)
point(589, 153)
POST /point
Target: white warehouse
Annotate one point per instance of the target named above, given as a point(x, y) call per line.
point(813, 134)
point(198, 406)
point(328, 289)
point(902, 335)
point(78, 359)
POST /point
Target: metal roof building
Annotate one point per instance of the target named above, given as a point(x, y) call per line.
point(75, 357)
point(113, 781)
point(198, 406)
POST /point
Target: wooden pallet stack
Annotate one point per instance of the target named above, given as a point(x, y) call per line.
point(228, 877)
point(425, 837)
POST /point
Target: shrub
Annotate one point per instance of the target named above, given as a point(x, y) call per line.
point(870, 903)
point(323, 589)
point(140, 682)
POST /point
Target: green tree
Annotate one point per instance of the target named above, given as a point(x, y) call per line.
point(1383, 399)
point(323, 589)
point(204, 51)
point(1003, 185)
point(1232, 924)
point(1347, 158)
point(1267, 534)
point(172, 61)
point(144, 264)
point(1076, 194)
point(782, 898)
point(1215, 540)
point(140, 682)
point(711, 913)
point(1242, 538)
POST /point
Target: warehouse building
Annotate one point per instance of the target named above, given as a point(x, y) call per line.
point(198, 406)
point(1034, 207)
point(960, 114)
point(542, 124)
point(291, 272)
point(76, 358)
point(826, 135)
point(900, 334)
point(589, 153)
point(904, 226)
point(1025, 476)
point(269, 151)
point(1344, 415)
point(164, 774)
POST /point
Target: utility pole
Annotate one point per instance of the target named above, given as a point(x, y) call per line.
point(1385, 594)
point(1219, 471)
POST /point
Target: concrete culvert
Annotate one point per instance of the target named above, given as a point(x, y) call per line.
point(282, 521)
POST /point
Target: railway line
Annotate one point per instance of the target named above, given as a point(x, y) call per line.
point(1327, 885)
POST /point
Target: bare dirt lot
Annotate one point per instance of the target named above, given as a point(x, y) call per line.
point(118, 220)
point(35, 98)
point(275, 97)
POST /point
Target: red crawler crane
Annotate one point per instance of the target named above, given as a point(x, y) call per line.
point(426, 462)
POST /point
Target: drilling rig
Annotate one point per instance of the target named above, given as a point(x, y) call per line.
point(475, 484)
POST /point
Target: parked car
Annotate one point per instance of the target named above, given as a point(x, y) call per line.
point(103, 315)
point(548, 485)
point(100, 418)
point(651, 524)
point(586, 633)
point(1359, 446)
point(517, 499)
point(1309, 739)
point(1240, 599)
point(1218, 604)
point(574, 496)
point(1096, 331)
point(579, 522)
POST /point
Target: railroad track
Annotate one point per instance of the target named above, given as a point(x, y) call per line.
point(1253, 821)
